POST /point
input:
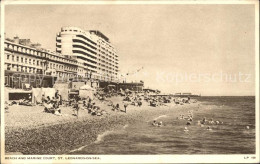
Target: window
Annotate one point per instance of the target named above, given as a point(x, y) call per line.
point(17, 58)
point(8, 56)
point(21, 59)
point(37, 62)
point(33, 62)
point(30, 61)
point(26, 60)
point(50, 65)
point(12, 57)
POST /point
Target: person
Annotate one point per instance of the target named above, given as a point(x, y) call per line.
point(117, 107)
point(84, 105)
point(57, 110)
point(211, 121)
point(247, 127)
point(186, 129)
point(58, 97)
point(204, 120)
point(188, 123)
point(48, 101)
point(125, 106)
point(160, 124)
point(43, 98)
point(30, 98)
point(155, 123)
point(89, 106)
point(208, 128)
point(139, 103)
point(75, 107)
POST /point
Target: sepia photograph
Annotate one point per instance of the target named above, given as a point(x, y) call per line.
point(129, 81)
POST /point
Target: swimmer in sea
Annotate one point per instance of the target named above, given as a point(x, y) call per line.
point(247, 127)
point(211, 121)
point(217, 122)
point(186, 129)
point(208, 128)
point(160, 124)
point(204, 120)
point(188, 123)
point(155, 123)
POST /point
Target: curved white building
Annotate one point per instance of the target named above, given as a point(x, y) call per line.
point(92, 48)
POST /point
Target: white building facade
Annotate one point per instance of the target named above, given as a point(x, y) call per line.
point(92, 49)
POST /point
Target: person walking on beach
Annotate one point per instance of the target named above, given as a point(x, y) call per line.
point(125, 106)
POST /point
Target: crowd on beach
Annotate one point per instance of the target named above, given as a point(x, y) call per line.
point(55, 104)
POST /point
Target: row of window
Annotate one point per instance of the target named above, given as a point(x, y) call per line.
point(21, 68)
point(24, 60)
point(38, 53)
point(107, 63)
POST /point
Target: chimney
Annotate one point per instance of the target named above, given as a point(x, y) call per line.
point(16, 39)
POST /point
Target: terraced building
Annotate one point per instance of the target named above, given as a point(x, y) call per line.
point(91, 48)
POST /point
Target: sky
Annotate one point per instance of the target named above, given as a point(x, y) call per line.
point(203, 49)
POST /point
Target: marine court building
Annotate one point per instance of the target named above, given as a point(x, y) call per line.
point(90, 48)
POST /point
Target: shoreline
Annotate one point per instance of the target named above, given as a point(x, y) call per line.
point(68, 134)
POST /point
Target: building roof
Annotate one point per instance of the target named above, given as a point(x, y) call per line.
point(100, 34)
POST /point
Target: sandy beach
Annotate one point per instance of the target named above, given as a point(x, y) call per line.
point(29, 130)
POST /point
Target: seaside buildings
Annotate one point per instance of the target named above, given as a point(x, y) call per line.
point(91, 48)
point(81, 55)
point(26, 59)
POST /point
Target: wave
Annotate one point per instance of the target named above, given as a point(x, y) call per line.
point(160, 117)
point(100, 137)
point(78, 149)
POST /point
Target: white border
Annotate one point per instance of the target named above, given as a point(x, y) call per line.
point(140, 158)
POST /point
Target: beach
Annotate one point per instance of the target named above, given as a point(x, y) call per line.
point(28, 130)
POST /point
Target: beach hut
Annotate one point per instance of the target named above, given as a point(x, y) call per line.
point(86, 91)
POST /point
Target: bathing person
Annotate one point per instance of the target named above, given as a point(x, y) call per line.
point(204, 120)
point(155, 123)
point(188, 123)
point(186, 129)
point(211, 121)
point(247, 127)
point(160, 124)
point(208, 128)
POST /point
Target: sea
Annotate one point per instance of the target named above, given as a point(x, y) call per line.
point(235, 133)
